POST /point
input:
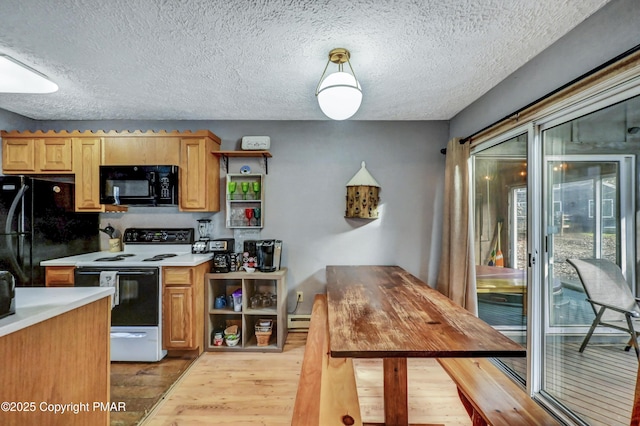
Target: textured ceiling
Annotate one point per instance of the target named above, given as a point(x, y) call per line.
point(261, 60)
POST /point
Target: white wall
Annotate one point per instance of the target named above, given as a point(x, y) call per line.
point(305, 193)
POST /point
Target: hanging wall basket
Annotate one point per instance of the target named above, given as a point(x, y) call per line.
point(362, 195)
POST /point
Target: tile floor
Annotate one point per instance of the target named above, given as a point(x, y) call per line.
point(141, 385)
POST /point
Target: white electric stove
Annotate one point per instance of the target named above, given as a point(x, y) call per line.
point(136, 317)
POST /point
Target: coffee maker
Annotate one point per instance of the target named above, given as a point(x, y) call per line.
point(222, 249)
point(269, 253)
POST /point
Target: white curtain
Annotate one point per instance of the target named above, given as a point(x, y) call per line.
point(456, 276)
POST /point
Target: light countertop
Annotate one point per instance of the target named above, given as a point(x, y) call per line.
point(37, 304)
point(89, 259)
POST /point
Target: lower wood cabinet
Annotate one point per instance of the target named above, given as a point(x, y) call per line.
point(59, 276)
point(183, 307)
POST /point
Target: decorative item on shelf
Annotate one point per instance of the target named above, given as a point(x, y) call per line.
point(362, 195)
point(245, 170)
point(339, 94)
point(256, 143)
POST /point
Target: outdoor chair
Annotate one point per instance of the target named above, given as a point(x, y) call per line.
point(610, 297)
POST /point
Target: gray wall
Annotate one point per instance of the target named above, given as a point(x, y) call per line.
point(305, 192)
point(606, 34)
point(9, 121)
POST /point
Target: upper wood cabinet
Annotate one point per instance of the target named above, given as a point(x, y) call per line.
point(148, 150)
point(82, 153)
point(37, 155)
point(86, 157)
point(54, 155)
point(199, 174)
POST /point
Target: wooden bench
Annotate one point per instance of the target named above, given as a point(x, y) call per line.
point(327, 393)
point(492, 398)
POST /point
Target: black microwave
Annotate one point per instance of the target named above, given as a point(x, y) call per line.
point(139, 185)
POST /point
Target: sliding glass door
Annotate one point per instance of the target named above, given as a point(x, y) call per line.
point(500, 212)
point(563, 187)
point(588, 207)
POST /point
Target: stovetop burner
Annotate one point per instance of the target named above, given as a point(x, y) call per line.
point(113, 258)
point(159, 257)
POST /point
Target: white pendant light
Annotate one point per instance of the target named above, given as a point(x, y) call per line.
point(16, 77)
point(339, 94)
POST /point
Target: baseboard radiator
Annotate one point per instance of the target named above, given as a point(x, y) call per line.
point(298, 322)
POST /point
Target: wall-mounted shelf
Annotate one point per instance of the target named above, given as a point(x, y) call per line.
point(237, 202)
point(226, 154)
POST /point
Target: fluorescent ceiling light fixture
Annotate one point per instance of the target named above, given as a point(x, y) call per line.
point(16, 77)
point(339, 94)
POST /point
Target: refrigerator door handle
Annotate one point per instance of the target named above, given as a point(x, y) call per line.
point(13, 258)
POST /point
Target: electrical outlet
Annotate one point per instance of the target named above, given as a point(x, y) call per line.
point(300, 296)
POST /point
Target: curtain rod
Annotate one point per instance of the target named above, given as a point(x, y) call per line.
point(623, 55)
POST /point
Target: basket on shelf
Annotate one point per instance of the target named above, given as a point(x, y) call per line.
point(263, 331)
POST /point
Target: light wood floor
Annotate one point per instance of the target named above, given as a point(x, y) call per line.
point(234, 388)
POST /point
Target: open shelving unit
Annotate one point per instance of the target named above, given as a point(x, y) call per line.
point(237, 202)
point(252, 284)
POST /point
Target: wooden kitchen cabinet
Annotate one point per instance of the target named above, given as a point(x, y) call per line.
point(36, 155)
point(81, 154)
point(59, 276)
point(199, 173)
point(178, 317)
point(182, 307)
point(145, 149)
point(18, 155)
point(86, 155)
point(253, 285)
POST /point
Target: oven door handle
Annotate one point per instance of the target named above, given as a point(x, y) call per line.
point(93, 272)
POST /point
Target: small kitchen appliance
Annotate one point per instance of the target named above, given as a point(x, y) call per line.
point(204, 231)
point(7, 294)
point(139, 185)
point(269, 253)
point(222, 249)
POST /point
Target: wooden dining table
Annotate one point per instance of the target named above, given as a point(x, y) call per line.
point(385, 312)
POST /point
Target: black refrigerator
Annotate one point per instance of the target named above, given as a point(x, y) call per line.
point(38, 222)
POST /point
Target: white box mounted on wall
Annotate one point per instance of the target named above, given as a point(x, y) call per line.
point(256, 143)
